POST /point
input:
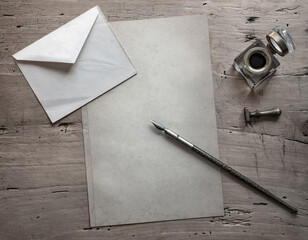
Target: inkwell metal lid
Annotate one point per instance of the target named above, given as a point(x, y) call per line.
point(280, 41)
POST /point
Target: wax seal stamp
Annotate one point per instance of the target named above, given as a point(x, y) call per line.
point(275, 112)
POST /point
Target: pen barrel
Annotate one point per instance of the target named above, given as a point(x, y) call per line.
point(243, 178)
point(178, 138)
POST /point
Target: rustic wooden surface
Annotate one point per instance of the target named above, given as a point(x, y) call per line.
point(43, 192)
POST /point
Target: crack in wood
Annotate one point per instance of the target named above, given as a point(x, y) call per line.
point(252, 19)
point(249, 37)
point(295, 140)
point(264, 134)
point(236, 211)
point(260, 203)
point(286, 9)
point(12, 188)
point(60, 191)
point(235, 222)
point(64, 127)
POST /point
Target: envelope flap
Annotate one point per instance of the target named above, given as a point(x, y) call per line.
point(62, 45)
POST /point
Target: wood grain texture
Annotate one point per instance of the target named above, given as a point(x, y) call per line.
point(43, 191)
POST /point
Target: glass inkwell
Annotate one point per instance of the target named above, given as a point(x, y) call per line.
point(257, 62)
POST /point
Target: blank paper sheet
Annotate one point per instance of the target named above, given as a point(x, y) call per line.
point(134, 172)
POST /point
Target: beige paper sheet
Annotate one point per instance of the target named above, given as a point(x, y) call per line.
point(135, 173)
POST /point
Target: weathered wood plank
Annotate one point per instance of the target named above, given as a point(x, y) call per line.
point(42, 173)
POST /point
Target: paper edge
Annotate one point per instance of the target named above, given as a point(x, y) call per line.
point(88, 164)
point(110, 26)
point(213, 99)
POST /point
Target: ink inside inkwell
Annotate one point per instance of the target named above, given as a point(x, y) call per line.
point(257, 60)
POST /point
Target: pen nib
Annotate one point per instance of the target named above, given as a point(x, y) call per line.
point(158, 125)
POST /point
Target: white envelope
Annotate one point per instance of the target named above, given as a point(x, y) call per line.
point(74, 64)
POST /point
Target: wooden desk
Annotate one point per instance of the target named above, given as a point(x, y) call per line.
point(43, 193)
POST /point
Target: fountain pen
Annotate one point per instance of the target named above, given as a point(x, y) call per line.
point(225, 167)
